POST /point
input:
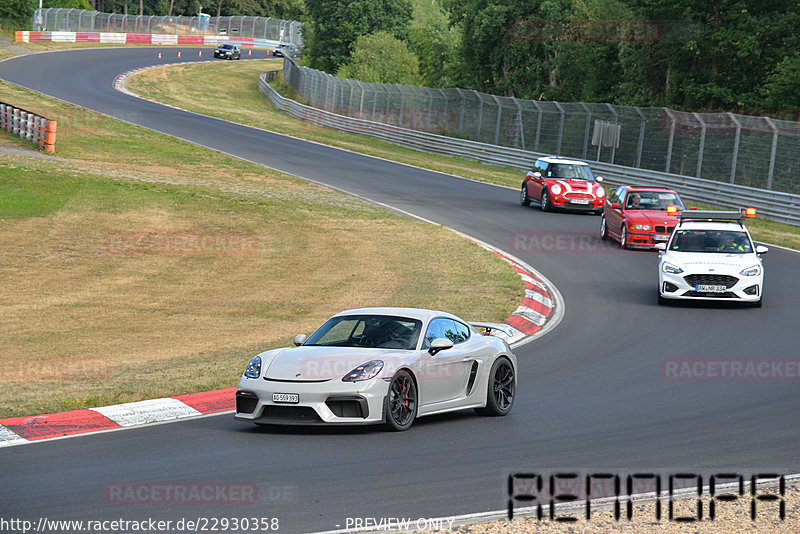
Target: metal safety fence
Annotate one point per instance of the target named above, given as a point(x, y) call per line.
point(758, 152)
point(81, 20)
point(779, 206)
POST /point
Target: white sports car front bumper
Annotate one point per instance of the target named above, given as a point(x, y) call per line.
point(317, 402)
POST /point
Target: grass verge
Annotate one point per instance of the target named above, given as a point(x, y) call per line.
point(136, 265)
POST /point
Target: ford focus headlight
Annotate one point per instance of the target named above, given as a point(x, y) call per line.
point(556, 189)
point(755, 270)
point(365, 371)
point(253, 368)
point(671, 269)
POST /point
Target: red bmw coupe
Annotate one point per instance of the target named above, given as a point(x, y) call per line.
point(640, 217)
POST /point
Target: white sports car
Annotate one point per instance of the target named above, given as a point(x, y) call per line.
point(711, 256)
point(381, 365)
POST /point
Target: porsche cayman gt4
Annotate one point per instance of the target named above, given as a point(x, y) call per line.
point(381, 365)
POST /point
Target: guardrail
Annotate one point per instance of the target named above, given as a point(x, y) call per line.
point(778, 206)
point(28, 125)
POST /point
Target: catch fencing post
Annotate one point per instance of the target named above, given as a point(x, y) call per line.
point(671, 137)
point(616, 123)
point(701, 149)
point(735, 145)
point(497, 123)
point(520, 124)
point(641, 137)
point(586, 132)
point(361, 100)
point(560, 127)
point(480, 114)
point(773, 152)
point(463, 109)
point(538, 126)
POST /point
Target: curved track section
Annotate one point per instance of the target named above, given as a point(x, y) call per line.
point(592, 393)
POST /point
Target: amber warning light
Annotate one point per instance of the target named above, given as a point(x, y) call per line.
point(672, 210)
point(750, 213)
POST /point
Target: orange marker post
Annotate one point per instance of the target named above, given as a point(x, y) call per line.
point(159, 55)
point(179, 54)
point(50, 136)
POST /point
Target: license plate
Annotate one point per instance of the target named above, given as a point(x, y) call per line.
point(582, 201)
point(710, 289)
point(291, 398)
point(660, 238)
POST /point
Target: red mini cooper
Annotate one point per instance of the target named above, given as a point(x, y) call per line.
point(562, 183)
point(640, 217)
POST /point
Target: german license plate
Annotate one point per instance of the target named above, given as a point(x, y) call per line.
point(660, 238)
point(290, 398)
point(582, 201)
point(710, 289)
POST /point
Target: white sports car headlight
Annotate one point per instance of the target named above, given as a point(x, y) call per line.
point(755, 270)
point(253, 368)
point(671, 269)
point(641, 227)
point(365, 371)
point(556, 189)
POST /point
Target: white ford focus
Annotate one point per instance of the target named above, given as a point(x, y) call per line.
point(711, 256)
point(381, 365)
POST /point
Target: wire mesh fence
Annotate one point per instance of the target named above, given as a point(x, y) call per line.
point(80, 20)
point(747, 150)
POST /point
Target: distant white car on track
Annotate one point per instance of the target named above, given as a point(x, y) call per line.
point(381, 365)
point(711, 256)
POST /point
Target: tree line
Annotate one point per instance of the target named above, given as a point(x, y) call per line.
point(698, 55)
point(737, 55)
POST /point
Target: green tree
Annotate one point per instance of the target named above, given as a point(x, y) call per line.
point(783, 87)
point(17, 13)
point(332, 27)
point(712, 56)
point(382, 58)
point(76, 4)
point(436, 44)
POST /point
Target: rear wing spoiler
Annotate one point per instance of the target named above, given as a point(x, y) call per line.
point(489, 328)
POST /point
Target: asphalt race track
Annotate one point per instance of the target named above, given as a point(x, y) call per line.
point(591, 397)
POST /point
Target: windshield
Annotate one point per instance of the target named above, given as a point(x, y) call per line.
point(653, 200)
point(371, 331)
point(722, 241)
point(570, 171)
point(227, 47)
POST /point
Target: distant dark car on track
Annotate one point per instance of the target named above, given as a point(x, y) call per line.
point(228, 51)
point(287, 50)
